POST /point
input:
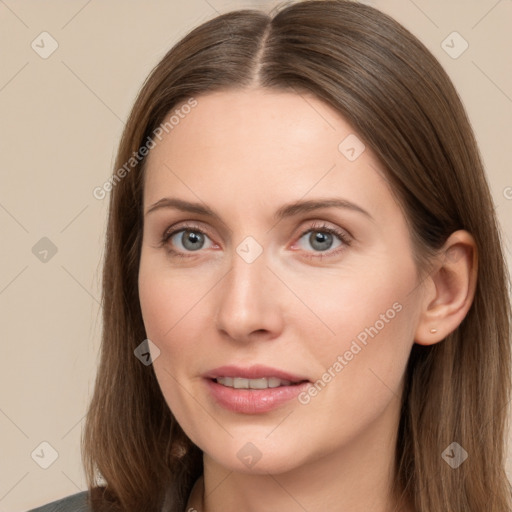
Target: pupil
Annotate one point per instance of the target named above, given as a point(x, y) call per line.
point(323, 239)
point(193, 239)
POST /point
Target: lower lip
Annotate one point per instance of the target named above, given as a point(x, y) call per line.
point(253, 401)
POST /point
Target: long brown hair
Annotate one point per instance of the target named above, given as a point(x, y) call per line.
point(400, 101)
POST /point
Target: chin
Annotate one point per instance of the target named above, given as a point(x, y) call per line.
point(255, 458)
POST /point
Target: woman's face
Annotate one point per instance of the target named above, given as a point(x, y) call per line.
point(329, 295)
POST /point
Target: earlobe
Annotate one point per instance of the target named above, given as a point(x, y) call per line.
point(450, 289)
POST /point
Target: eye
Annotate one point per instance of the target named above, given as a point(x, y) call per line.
point(191, 239)
point(321, 237)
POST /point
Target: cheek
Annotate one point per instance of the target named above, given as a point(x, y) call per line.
point(370, 318)
point(167, 311)
point(167, 300)
point(174, 315)
point(359, 303)
point(154, 303)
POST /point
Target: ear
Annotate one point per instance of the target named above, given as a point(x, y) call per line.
point(449, 289)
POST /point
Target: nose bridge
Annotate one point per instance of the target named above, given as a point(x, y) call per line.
point(247, 278)
point(248, 298)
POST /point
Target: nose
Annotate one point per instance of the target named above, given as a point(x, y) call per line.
point(250, 301)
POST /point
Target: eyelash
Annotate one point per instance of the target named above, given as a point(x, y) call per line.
point(323, 228)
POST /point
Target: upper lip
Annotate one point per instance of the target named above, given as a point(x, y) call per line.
point(252, 372)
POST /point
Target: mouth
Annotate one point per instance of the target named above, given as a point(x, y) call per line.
point(254, 377)
point(256, 389)
point(255, 384)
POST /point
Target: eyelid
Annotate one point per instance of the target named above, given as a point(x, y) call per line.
point(319, 225)
point(184, 225)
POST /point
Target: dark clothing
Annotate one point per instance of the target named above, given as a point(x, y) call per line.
point(74, 503)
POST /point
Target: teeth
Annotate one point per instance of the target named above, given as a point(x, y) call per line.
point(241, 383)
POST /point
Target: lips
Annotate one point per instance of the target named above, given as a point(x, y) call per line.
point(263, 383)
point(254, 372)
point(253, 401)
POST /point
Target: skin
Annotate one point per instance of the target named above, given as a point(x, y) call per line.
point(245, 153)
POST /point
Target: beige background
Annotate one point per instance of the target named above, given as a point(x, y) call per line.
point(61, 121)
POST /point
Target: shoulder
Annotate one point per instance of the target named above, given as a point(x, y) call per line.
point(75, 503)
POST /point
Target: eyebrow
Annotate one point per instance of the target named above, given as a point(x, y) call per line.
point(288, 210)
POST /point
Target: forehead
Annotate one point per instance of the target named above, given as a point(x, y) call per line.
point(254, 117)
point(260, 145)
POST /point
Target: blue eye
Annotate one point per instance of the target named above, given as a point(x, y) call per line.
point(321, 238)
point(192, 239)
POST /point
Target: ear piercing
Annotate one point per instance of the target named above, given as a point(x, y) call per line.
point(433, 331)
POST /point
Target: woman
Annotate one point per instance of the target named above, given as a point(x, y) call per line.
point(304, 295)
